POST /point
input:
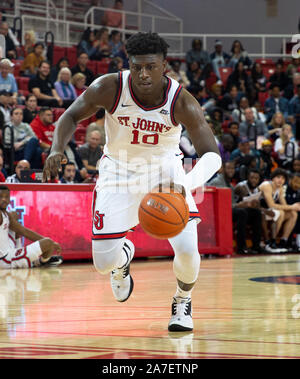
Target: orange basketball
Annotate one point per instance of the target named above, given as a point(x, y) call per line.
point(163, 215)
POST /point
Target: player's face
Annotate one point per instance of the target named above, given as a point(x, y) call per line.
point(279, 181)
point(4, 199)
point(147, 72)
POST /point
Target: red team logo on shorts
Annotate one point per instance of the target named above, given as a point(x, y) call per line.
point(98, 220)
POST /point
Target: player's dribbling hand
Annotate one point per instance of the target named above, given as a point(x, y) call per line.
point(52, 166)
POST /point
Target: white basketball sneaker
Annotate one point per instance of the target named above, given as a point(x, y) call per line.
point(181, 319)
point(120, 278)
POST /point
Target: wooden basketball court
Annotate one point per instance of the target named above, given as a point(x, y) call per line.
point(244, 307)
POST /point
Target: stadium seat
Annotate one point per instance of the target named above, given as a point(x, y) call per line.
point(262, 97)
point(80, 134)
point(71, 54)
point(265, 61)
point(102, 67)
point(58, 53)
point(267, 71)
point(17, 67)
point(23, 83)
point(224, 74)
point(57, 112)
point(92, 65)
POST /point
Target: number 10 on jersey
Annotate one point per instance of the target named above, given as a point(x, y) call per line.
point(149, 139)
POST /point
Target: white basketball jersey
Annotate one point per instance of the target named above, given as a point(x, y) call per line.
point(135, 131)
point(6, 243)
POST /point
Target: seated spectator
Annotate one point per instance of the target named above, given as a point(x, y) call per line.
point(71, 152)
point(244, 213)
point(238, 54)
point(91, 152)
point(276, 103)
point(10, 46)
point(197, 54)
point(63, 62)
point(29, 42)
point(5, 108)
point(64, 87)
point(68, 174)
point(259, 80)
point(16, 178)
point(103, 48)
point(225, 147)
point(200, 95)
point(115, 65)
point(88, 43)
point(30, 111)
point(113, 18)
point(294, 110)
point(7, 80)
point(43, 127)
point(78, 81)
point(244, 157)
point(219, 58)
point(285, 216)
point(238, 114)
point(26, 144)
point(280, 77)
point(260, 111)
point(2, 177)
point(43, 89)
point(253, 129)
point(33, 60)
point(268, 162)
point(81, 66)
point(293, 67)
point(249, 186)
point(216, 116)
point(194, 75)
point(233, 130)
point(178, 74)
point(296, 166)
point(292, 196)
point(286, 147)
point(115, 43)
point(230, 100)
point(275, 126)
point(240, 79)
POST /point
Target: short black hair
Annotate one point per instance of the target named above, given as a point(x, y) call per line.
point(146, 43)
point(279, 172)
point(44, 109)
point(4, 188)
point(254, 171)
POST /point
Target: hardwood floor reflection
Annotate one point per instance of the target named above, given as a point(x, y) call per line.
point(242, 307)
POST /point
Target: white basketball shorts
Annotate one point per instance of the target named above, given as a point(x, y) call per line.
point(22, 257)
point(120, 189)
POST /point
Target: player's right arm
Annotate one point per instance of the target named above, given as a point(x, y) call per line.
point(100, 94)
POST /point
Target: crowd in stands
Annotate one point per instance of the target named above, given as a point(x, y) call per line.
point(252, 107)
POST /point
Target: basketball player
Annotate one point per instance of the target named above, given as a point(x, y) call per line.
point(12, 255)
point(144, 110)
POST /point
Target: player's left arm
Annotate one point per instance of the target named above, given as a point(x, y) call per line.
point(19, 229)
point(189, 113)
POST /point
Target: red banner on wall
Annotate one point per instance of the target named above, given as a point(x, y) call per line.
point(63, 213)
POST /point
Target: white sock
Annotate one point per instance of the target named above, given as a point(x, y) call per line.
point(182, 294)
point(298, 240)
